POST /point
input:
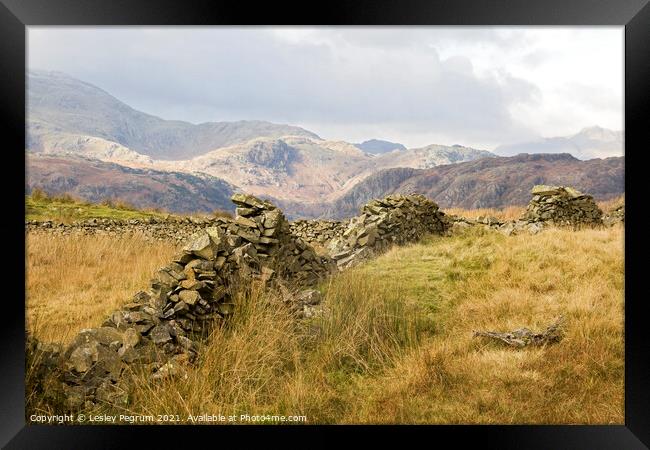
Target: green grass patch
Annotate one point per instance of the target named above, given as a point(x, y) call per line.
point(66, 210)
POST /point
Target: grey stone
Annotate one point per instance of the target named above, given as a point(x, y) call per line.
point(106, 335)
point(160, 334)
point(131, 337)
point(189, 297)
point(247, 201)
point(83, 357)
point(310, 297)
point(245, 222)
point(201, 246)
point(245, 212)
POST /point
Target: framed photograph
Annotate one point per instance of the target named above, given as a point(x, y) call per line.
point(404, 216)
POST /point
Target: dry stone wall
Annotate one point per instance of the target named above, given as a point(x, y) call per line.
point(319, 232)
point(172, 229)
point(396, 219)
point(560, 205)
point(549, 206)
point(161, 328)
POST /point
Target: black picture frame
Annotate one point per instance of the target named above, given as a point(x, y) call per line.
point(16, 15)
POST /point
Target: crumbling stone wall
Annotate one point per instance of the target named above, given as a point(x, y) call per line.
point(560, 205)
point(396, 219)
point(159, 329)
point(550, 206)
point(172, 229)
point(320, 231)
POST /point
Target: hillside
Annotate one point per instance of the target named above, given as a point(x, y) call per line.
point(308, 170)
point(495, 182)
point(292, 167)
point(488, 182)
point(431, 156)
point(96, 181)
point(66, 114)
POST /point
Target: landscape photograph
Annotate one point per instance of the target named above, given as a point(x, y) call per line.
point(310, 225)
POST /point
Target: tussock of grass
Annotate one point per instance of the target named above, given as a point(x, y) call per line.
point(265, 362)
point(396, 346)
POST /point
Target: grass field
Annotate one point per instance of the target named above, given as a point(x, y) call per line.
point(396, 345)
point(74, 282)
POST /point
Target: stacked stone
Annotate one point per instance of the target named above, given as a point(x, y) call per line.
point(459, 223)
point(616, 215)
point(396, 219)
point(265, 226)
point(318, 231)
point(172, 229)
point(559, 205)
point(161, 328)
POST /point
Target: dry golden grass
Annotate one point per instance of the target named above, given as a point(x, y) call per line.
point(396, 345)
point(265, 362)
point(608, 205)
point(74, 282)
point(455, 378)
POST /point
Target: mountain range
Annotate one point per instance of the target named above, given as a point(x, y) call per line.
point(82, 140)
point(65, 113)
point(488, 182)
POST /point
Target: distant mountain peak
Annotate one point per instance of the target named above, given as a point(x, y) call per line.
point(599, 133)
point(589, 143)
point(378, 146)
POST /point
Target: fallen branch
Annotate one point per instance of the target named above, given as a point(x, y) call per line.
point(523, 337)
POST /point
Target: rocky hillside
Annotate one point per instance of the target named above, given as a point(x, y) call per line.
point(296, 168)
point(308, 170)
point(349, 204)
point(431, 156)
point(66, 114)
point(488, 182)
point(94, 181)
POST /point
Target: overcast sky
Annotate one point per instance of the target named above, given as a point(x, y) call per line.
point(476, 86)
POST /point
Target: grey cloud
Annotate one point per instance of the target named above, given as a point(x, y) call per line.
point(393, 77)
point(589, 96)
